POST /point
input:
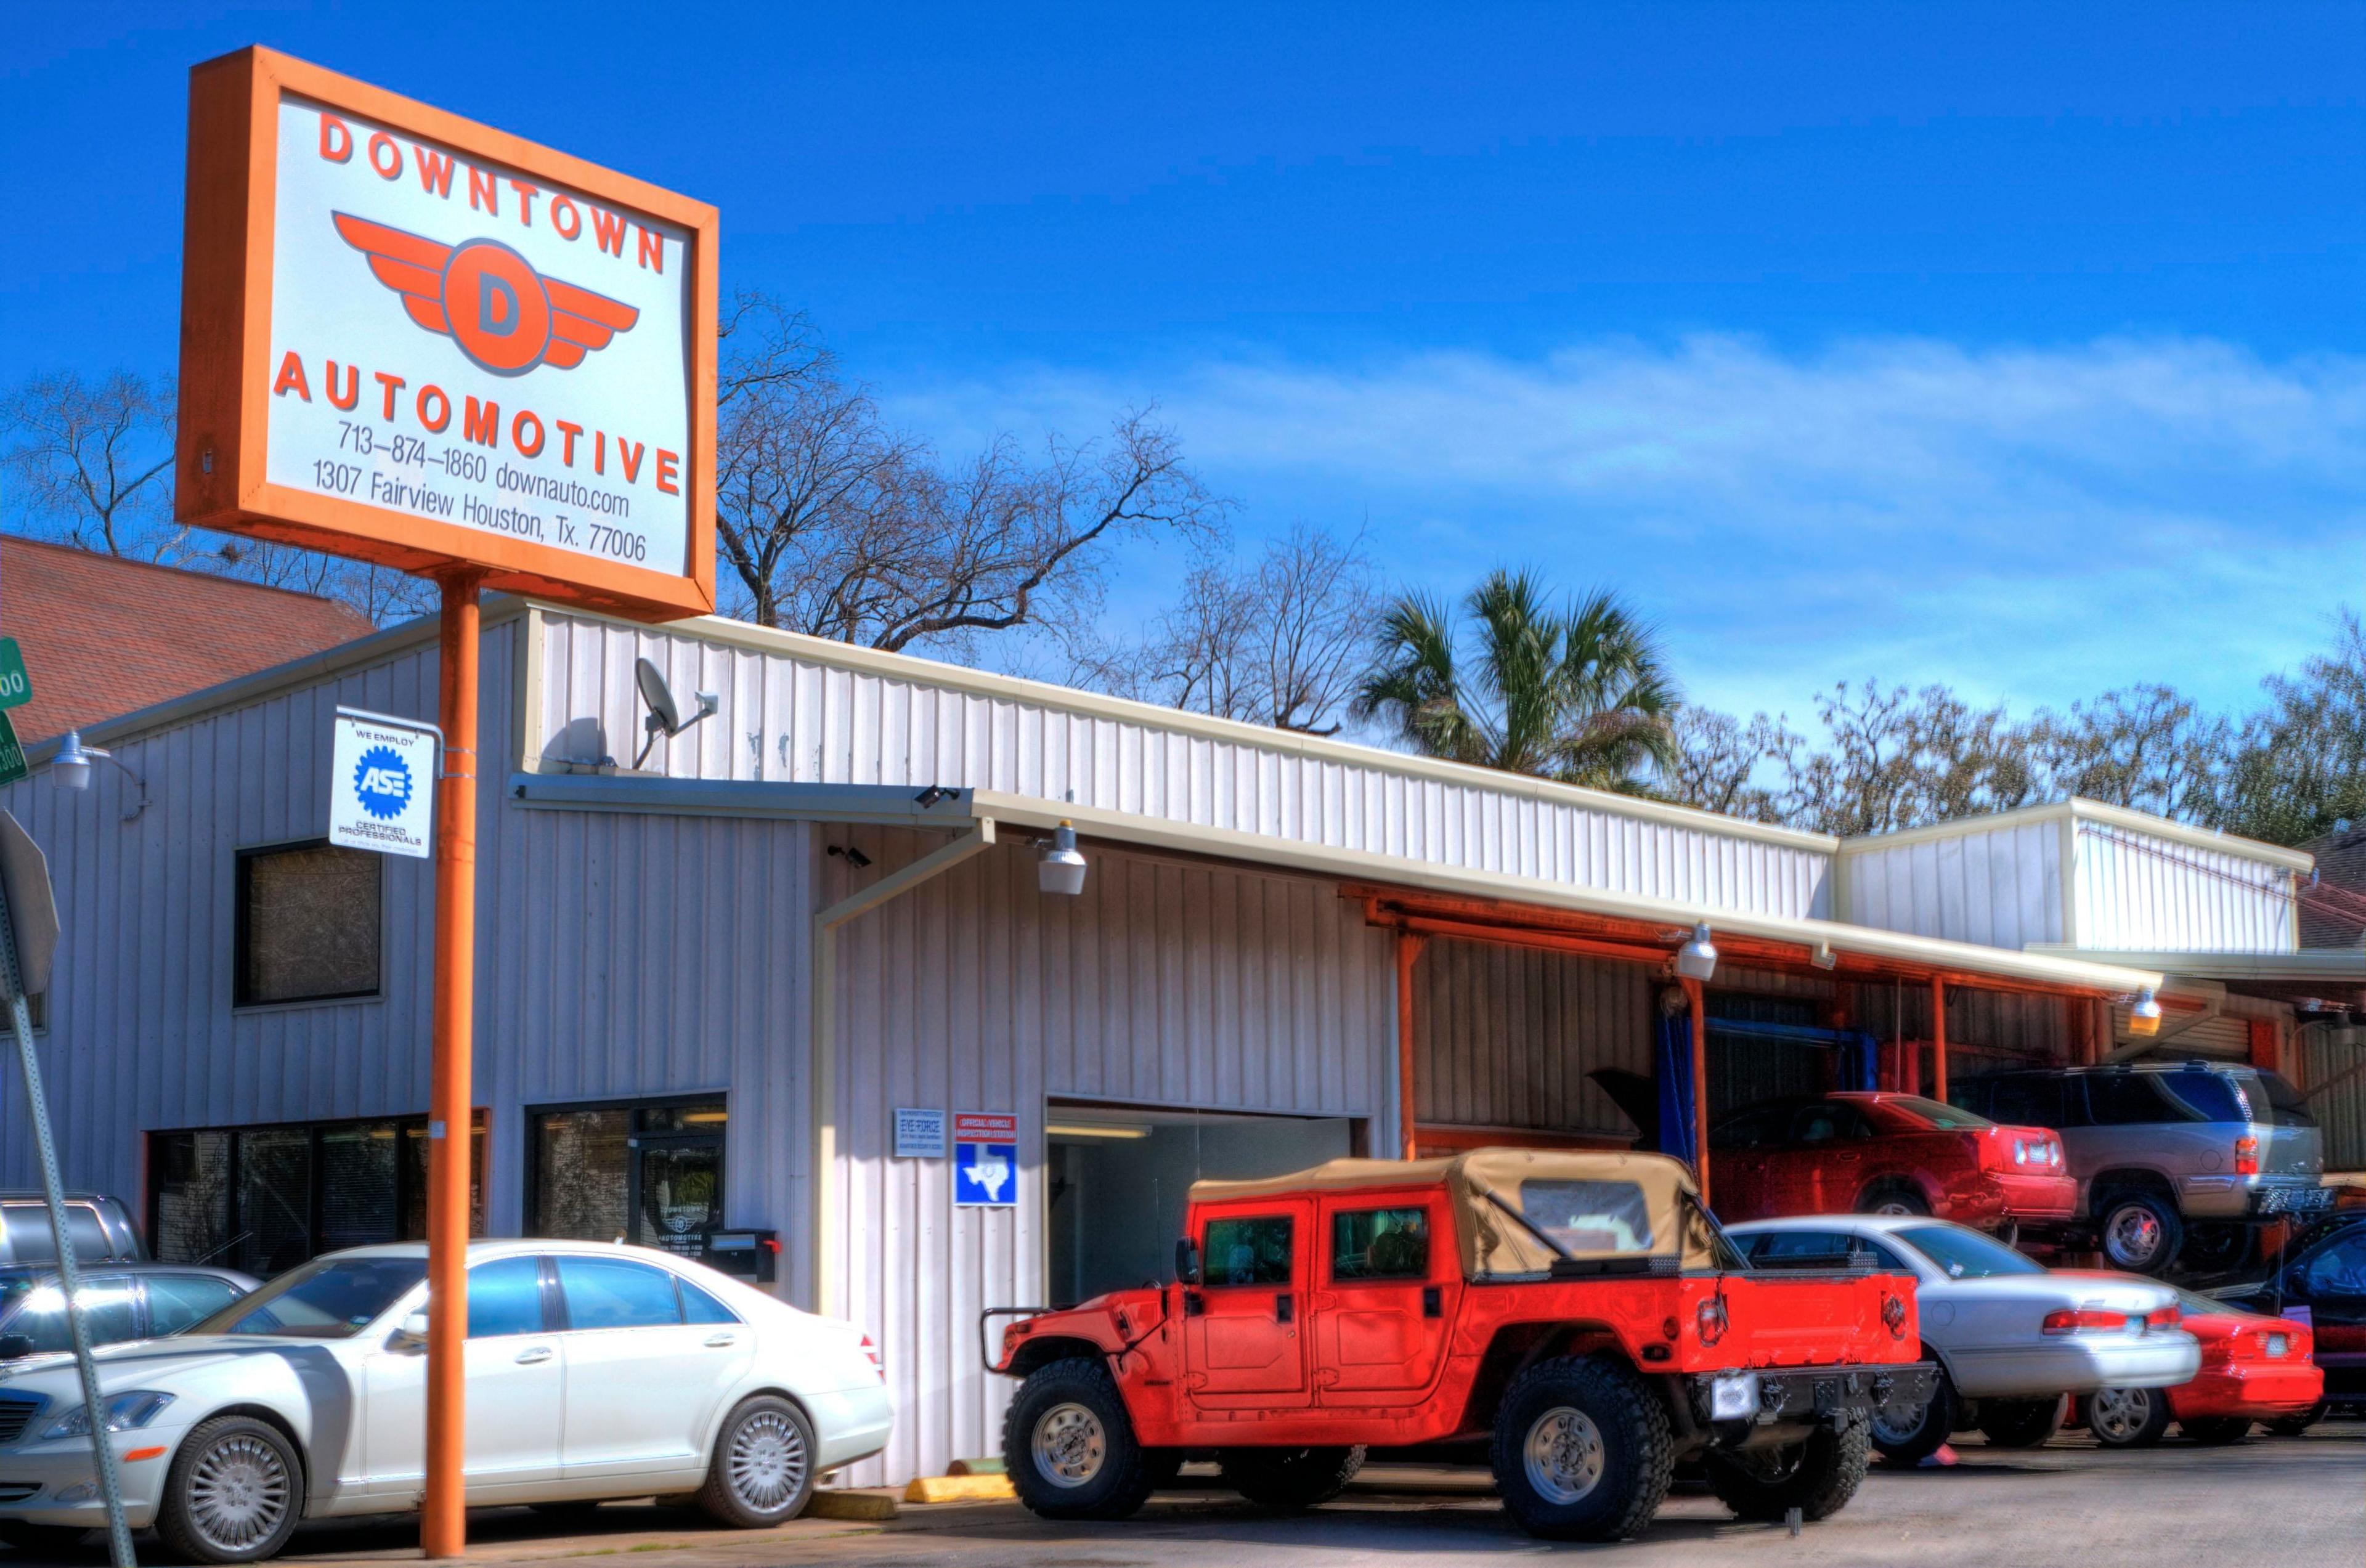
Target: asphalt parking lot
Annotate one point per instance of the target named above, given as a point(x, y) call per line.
point(2288, 1503)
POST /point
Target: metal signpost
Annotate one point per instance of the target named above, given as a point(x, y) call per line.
point(28, 938)
point(413, 339)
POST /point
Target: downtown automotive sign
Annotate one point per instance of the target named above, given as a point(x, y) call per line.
point(415, 339)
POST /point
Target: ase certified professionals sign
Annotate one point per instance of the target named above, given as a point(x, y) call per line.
point(381, 784)
point(419, 341)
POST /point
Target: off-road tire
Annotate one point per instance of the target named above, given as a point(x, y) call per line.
point(181, 1518)
point(2282, 1427)
point(2128, 1417)
point(2021, 1423)
point(1817, 1477)
point(2216, 1431)
point(761, 1473)
point(1121, 1471)
point(1940, 1418)
point(2123, 1209)
point(1636, 1457)
point(1892, 1198)
point(40, 1541)
point(1290, 1478)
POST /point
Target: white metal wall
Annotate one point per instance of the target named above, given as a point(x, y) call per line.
point(1504, 1036)
point(2135, 891)
point(1166, 984)
point(1999, 889)
point(142, 1034)
point(812, 711)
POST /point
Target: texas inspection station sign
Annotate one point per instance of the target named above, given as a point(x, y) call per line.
point(414, 339)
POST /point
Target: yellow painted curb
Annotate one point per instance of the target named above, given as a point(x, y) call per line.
point(958, 1489)
point(850, 1506)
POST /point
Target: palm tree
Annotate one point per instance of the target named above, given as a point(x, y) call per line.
point(1580, 695)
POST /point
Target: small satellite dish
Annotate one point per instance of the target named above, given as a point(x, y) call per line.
point(664, 717)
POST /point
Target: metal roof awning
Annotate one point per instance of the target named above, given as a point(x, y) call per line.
point(1489, 904)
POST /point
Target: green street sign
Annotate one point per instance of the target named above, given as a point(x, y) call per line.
point(12, 755)
point(16, 686)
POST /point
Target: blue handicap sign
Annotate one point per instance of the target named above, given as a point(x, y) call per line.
point(985, 1176)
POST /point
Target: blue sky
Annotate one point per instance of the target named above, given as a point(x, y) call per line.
point(2020, 347)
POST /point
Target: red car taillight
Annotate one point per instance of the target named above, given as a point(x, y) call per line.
point(2084, 1320)
point(2246, 1155)
point(2167, 1317)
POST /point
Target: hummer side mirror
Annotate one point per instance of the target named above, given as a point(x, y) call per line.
point(1187, 1261)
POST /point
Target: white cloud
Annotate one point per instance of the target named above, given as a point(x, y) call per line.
point(2032, 523)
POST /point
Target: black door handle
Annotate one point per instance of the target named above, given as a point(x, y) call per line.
point(1285, 1309)
point(1432, 1304)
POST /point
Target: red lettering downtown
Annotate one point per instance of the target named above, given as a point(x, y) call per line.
point(563, 215)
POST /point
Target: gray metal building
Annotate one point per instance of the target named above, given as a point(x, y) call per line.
point(237, 1039)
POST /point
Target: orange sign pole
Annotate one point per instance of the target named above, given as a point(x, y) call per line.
point(442, 1523)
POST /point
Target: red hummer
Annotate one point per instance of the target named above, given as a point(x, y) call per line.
point(1579, 1315)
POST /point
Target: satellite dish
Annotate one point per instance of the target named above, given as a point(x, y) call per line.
point(665, 714)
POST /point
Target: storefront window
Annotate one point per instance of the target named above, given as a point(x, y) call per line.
point(265, 1199)
point(307, 924)
point(651, 1175)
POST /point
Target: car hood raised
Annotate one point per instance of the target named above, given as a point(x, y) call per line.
point(135, 1363)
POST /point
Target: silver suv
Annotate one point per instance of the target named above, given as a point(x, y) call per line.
point(2171, 1157)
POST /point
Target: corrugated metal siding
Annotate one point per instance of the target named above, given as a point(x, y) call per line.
point(2002, 888)
point(809, 719)
point(609, 965)
point(2333, 1074)
point(1169, 985)
point(2135, 891)
point(142, 1034)
point(1504, 1036)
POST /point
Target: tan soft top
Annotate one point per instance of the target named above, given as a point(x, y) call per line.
point(1591, 1219)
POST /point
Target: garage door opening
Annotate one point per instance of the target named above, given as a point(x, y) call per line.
point(1119, 1176)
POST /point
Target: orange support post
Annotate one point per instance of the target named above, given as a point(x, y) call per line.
point(1409, 948)
point(443, 1527)
point(1938, 1038)
point(1700, 1087)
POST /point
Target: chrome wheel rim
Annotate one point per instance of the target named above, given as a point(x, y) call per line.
point(2117, 1415)
point(2133, 1237)
point(767, 1463)
point(1563, 1456)
point(1070, 1446)
point(1895, 1206)
point(240, 1492)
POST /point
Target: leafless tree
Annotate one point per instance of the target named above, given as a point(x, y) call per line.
point(1720, 763)
point(1281, 642)
point(91, 462)
point(2145, 747)
point(839, 526)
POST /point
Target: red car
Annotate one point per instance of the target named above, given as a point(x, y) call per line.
point(1885, 1154)
point(2253, 1368)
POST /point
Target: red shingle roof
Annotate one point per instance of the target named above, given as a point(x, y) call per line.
point(104, 637)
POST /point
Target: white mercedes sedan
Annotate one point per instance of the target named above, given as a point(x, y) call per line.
point(593, 1371)
point(2013, 1338)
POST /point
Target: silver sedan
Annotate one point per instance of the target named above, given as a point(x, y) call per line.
point(2012, 1337)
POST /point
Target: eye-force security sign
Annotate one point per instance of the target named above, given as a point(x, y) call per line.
point(985, 1160)
point(382, 784)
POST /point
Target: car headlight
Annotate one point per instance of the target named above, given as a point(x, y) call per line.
point(124, 1410)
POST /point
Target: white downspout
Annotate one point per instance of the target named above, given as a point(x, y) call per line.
point(822, 1078)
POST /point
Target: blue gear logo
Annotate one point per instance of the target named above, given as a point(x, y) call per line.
point(382, 782)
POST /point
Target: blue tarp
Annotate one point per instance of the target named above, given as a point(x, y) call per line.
point(1675, 1080)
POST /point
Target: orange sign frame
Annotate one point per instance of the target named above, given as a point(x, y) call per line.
point(226, 375)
